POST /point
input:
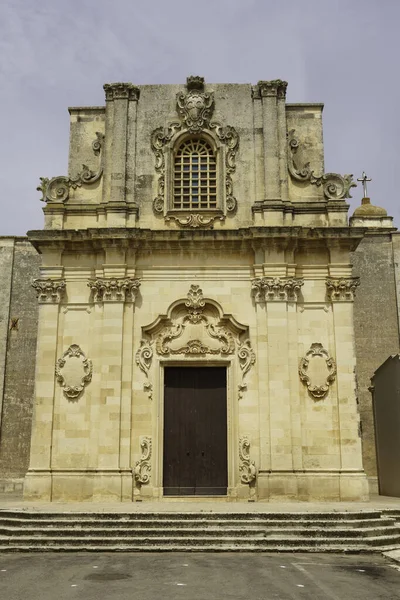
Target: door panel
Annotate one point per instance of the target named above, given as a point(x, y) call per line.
point(195, 431)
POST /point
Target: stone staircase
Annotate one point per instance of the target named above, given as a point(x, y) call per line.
point(364, 531)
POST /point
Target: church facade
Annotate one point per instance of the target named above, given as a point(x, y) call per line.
point(196, 297)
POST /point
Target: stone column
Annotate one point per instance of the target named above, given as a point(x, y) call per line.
point(38, 481)
point(353, 482)
point(282, 141)
point(119, 95)
point(272, 130)
point(117, 296)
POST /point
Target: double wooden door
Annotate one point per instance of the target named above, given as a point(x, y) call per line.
point(195, 431)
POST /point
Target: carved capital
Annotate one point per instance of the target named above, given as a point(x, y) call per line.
point(114, 290)
point(317, 371)
point(247, 467)
point(342, 289)
point(273, 88)
point(49, 290)
point(269, 289)
point(142, 470)
point(121, 91)
point(73, 371)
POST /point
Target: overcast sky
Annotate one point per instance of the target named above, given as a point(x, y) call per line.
point(58, 53)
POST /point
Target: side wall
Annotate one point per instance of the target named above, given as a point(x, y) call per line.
point(376, 329)
point(19, 266)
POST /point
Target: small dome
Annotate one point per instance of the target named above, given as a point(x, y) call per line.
point(369, 210)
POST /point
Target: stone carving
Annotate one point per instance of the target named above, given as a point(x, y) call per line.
point(195, 220)
point(335, 186)
point(317, 370)
point(247, 467)
point(267, 289)
point(123, 289)
point(195, 109)
point(73, 371)
point(247, 358)
point(142, 470)
point(195, 300)
point(121, 91)
point(144, 356)
point(342, 289)
point(49, 290)
point(57, 189)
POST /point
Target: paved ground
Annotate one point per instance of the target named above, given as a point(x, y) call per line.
point(194, 576)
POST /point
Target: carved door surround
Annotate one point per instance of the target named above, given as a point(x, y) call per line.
point(195, 332)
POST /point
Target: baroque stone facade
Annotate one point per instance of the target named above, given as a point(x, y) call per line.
point(196, 228)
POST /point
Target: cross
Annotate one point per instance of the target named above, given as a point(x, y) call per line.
point(364, 180)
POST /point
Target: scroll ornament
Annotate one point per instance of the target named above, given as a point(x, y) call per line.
point(335, 186)
point(317, 370)
point(142, 470)
point(266, 289)
point(342, 289)
point(73, 371)
point(58, 188)
point(247, 467)
point(49, 290)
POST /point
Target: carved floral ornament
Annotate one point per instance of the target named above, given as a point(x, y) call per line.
point(342, 289)
point(335, 186)
point(142, 470)
point(195, 109)
point(317, 370)
point(122, 289)
point(58, 188)
point(269, 289)
point(49, 290)
point(195, 327)
point(73, 371)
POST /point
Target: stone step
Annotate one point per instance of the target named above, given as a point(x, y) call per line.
point(253, 516)
point(98, 521)
point(216, 543)
point(194, 532)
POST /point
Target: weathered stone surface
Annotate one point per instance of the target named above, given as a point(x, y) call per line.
point(19, 342)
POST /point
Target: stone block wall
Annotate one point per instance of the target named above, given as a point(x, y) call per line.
point(19, 265)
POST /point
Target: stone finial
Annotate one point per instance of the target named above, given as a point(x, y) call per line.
point(275, 87)
point(194, 82)
point(121, 91)
point(369, 210)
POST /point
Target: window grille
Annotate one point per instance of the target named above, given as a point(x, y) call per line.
point(195, 176)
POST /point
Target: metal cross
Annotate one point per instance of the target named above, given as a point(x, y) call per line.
point(364, 180)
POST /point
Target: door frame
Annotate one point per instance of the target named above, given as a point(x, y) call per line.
point(231, 426)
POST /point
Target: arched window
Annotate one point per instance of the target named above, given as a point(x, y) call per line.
point(195, 176)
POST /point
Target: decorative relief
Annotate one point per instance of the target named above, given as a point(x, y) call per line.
point(247, 359)
point(317, 370)
point(195, 109)
point(57, 189)
point(73, 371)
point(335, 186)
point(114, 290)
point(267, 289)
point(273, 88)
point(49, 290)
point(195, 220)
point(247, 467)
point(144, 357)
point(142, 470)
point(342, 289)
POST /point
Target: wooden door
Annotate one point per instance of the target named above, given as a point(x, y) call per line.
point(195, 431)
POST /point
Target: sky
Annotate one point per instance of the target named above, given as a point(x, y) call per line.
point(59, 53)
